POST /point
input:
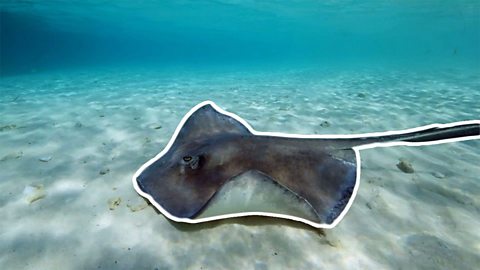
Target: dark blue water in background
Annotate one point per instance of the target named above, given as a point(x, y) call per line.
point(37, 36)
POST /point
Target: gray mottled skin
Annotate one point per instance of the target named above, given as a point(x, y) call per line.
point(213, 148)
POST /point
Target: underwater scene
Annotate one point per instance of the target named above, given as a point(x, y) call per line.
point(90, 91)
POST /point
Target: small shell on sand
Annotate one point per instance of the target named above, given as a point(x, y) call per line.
point(405, 166)
point(138, 207)
point(45, 159)
point(33, 193)
point(114, 202)
point(14, 155)
point(438, 175)
point(154, 126)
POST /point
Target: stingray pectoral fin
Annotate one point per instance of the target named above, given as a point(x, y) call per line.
point(325, 179)
point(208, 122)
point(256, 192)
point(336, 183)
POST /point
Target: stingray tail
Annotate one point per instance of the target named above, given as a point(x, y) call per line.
point(433, 134)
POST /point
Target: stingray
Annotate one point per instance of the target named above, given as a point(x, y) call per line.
point(217, 166)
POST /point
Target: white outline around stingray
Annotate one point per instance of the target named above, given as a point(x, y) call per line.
point(287, 135)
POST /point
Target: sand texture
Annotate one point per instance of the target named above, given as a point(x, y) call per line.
point(81, 135)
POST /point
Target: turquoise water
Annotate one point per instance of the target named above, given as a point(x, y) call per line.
point(91, 90)
point(42, 35)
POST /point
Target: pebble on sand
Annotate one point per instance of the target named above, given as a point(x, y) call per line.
point(325, 124)
point(405, 166)
point(104, 171)
point(7, 127)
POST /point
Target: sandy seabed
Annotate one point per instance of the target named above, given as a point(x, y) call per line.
point(76, 138)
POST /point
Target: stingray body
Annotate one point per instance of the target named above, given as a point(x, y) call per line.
point(213, 152)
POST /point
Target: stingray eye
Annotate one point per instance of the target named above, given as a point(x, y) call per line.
point(191, 161)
